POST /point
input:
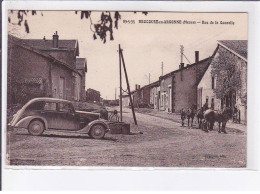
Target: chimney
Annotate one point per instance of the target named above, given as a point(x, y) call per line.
point(44, 38)
point(55, 40)
point(197, 56)
point(181, 65)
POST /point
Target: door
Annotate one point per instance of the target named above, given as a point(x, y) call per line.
point(49, 112)
point(67, 119)
point(62, 88)
point(170, 99)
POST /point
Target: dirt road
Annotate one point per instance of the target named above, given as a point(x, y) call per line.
point(164, 143)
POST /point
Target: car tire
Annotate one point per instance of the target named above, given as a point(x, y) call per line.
point(36, 128)
point(97, 131)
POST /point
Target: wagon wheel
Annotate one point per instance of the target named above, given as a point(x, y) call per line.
point(97, 131)
point(36, 128)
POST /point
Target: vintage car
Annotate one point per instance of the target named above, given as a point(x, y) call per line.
point(41, 114)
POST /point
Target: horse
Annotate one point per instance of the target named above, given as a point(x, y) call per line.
point(212, 116)
point(191, 112)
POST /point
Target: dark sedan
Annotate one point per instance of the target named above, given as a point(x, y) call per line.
point(42, 114)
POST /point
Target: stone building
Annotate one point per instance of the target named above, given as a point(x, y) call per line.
point(178, 89)
point(41, 67)
point(238, 50)
point(155, 95)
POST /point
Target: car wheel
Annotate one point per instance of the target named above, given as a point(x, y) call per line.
point(97, 131)
point(36, 127)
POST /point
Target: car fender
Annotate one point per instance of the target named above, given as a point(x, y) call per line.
point(24, 123)
point(92, 123)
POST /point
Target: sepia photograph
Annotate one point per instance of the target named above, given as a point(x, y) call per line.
point(90, 88)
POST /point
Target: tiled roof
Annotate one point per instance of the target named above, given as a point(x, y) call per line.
point(238, 46)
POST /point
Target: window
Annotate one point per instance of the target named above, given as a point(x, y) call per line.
point(50, 106)
point(213, 82)
point(66, 107)
point(207, 99)
point(35, 106)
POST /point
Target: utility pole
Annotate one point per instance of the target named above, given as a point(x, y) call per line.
point(120, 76)
point(162, 68)
point(182, 50)
point(127, 83)
point(149, 78)
point(115, 93)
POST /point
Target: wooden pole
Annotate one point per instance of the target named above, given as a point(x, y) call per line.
point(128, 87)
point(120, 76)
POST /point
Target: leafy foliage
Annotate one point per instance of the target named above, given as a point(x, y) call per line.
point(225, 69)
point(21, 92)
point(101, 28)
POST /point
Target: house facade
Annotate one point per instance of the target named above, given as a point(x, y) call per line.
point(40, 67)
point(155, 95)
point(166, 83)
point(144, 97)
point(208, 83)
point(178, 89)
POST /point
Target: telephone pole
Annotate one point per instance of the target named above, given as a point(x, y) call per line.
point(120, 77)
point(121, 57)
point(162, 68)
point(149, 78)
point(182, 50)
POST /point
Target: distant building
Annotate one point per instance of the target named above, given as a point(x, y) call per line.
point(141, 96)
point(92, 95)
point(125, 100)
point(41, 67)
point(206, 86)
point(155, 95)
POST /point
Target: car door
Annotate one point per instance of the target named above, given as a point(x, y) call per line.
point(67, 119)
point(50, 113)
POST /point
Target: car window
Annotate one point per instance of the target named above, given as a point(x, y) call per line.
point(36, 106)
point(50, 106)
point(66, 107)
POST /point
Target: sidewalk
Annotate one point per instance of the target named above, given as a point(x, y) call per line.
point(176, 117)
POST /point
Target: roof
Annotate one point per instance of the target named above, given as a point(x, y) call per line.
point(186, 67)
point(238, 46)
point(48, 44)
point(81, 64)
point(151, 85)
point(19, 42)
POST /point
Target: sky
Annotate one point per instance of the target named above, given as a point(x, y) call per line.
point(145, 46)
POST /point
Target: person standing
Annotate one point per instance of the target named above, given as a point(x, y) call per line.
point(183, 116)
